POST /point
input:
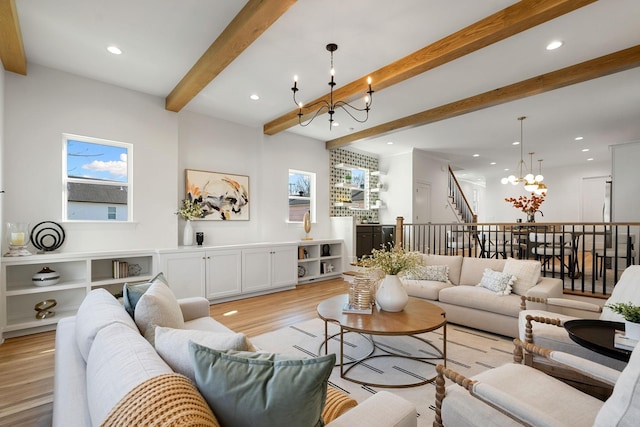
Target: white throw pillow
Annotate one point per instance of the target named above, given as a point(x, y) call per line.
point(527, 274)
point(173, 346)
point(98, 309)
point(119, 360)
point(436, 273)
point(497, 281)
point(157, 307)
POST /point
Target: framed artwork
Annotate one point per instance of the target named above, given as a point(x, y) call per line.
point(222, 196)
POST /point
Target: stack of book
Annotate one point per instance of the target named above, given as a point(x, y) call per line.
point(624, 343)
point(352, 308)
point(120, 269)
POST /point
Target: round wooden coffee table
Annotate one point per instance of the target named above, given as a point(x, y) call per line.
point(419, 316)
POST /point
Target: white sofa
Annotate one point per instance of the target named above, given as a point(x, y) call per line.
point(101, 356)
point(477, 307)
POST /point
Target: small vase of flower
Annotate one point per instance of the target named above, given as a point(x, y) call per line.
point(391, 295)
point(189, 211)
point(528, 205)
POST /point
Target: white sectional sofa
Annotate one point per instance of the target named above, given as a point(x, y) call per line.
point(478, 307)
point(103, 364)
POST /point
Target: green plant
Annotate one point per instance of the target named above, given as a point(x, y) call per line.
point(396, 260)
point(190, 210)
point(630, 312)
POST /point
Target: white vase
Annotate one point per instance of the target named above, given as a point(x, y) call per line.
point(187, 235)
point(391, 295)
point(632, 330)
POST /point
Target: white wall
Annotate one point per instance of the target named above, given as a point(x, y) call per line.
point(47, 103)
point(562, 203)
point(215, 145)
point(433, 171)
point(290, 151)
point(2, 78)
point(398, 191)
point(626, 182)
point(401, 174)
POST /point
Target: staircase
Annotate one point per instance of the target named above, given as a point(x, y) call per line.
point(458, 201)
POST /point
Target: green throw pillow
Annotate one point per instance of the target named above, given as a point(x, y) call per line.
point(246, 389)
point(131, 292)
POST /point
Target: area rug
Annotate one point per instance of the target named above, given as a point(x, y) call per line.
point(469, 352)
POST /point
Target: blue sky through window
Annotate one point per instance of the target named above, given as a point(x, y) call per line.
point(96, 161)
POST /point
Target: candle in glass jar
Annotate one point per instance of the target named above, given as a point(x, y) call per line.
point(17, 239)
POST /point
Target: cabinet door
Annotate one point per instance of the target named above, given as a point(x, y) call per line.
point(284, 266)
point(364, 241)
point(256, 269)
point(388, 236)
point(376, 239)
point(224, 272)
point(185, 273)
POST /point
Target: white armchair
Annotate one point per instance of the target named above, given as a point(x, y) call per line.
point(516, 394)
point(546, 329)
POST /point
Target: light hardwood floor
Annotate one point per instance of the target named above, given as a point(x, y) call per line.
point(27, 363)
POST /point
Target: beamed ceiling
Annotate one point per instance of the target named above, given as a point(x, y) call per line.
point(450, 76)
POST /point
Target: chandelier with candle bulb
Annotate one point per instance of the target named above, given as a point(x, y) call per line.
point(330, 106)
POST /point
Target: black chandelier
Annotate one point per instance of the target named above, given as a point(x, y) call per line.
point(330, 106)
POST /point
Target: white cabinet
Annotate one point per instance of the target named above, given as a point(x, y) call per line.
point(210, 273)
point(269, 267)
point(79, 273)
point(222, 273)
point(320, 260)
point(185, 271)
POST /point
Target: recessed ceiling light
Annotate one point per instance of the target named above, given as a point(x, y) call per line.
point(390, 143)
point(254, 97)
point(589, 159)
point(114, 49)
point(335, 124)
point(584, 150)
point(492, 163)
point(579, 138)
point(476, 155)
point(515, 143)
point(554, 45)
point(506, 169)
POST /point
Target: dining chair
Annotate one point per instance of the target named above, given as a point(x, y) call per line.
point(621, 251)
point(516, 394)
point(459, 240)
point(548, 247)
point(496, 243)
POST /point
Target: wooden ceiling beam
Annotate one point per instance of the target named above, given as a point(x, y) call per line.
point(253, 20)
point(11, 48)
point(605, 65)
point(499, 26)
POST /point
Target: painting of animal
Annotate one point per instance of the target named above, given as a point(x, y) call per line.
point(222, 196)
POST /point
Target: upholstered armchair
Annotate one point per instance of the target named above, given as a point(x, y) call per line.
point(516, 394)
point(546, 329)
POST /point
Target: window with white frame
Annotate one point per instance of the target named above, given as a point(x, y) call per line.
point(96, 179)
point(302, 195)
